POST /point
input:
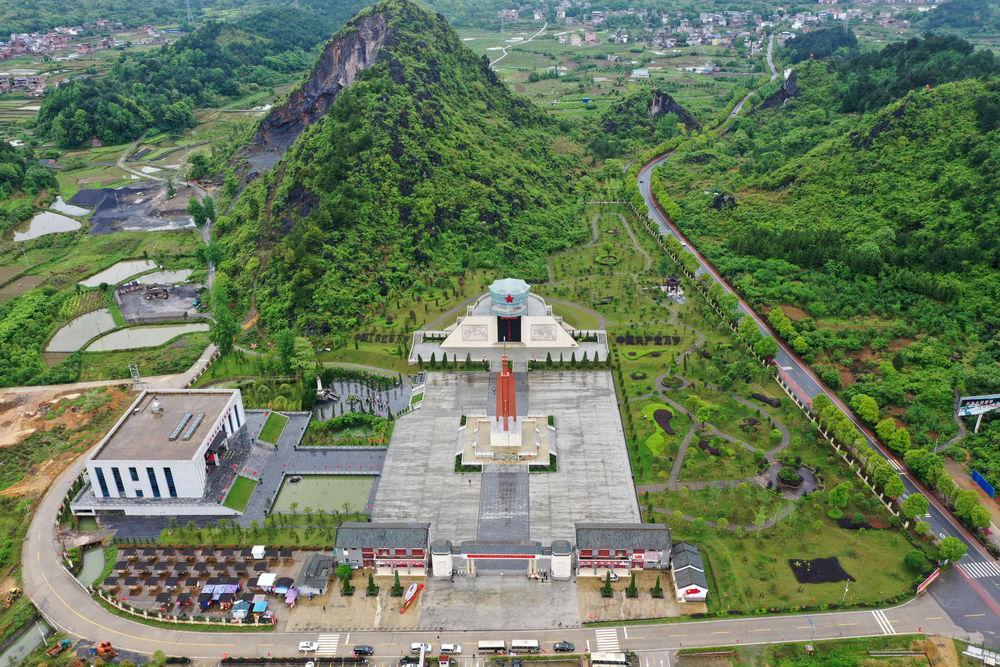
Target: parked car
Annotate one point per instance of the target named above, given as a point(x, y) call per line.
point(416, 646)
point(516, 662)
point(363, 650)
point(308, 647)
point(408, 660)
point(614, 577)
point(563, 647)
point(451, 649)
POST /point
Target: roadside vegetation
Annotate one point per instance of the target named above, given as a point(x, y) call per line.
point(820, 194)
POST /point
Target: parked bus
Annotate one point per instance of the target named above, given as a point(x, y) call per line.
point(493, 646)
point(608, 660)
point(525, 646)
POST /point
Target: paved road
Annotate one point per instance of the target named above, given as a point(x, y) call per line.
point(68, 607)
point(504, 47)
point(774, 75)
point(968, 589)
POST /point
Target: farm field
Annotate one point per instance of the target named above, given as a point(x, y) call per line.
point(587, 71)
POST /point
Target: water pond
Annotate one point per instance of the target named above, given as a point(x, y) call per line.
point(137, 337)
point(119, 272)
point(327, 493)
point(62, 207)
point(165, 277)
point(74, 335)
point(43, 224)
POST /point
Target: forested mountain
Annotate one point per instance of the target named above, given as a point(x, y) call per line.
point(424, 164)
point(821, 43)
point(644, 117)
point(876, 78)
point(878, 235)
point(216, 63)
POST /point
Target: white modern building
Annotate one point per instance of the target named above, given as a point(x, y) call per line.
point(165, 448)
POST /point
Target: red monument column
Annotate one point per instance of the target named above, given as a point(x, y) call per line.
point(506, 398)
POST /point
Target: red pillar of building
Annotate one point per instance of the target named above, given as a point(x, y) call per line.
point(506, 398)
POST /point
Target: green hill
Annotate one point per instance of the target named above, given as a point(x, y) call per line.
point(422, 167)
point(877, 234)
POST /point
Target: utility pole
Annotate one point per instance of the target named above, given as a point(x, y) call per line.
point(190, 17)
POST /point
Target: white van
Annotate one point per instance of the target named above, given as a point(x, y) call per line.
point(415, 647)
point(451, 649)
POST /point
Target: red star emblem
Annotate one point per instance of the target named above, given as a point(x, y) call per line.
point(509, 298)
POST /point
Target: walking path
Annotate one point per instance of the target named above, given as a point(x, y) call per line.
point(504, 47)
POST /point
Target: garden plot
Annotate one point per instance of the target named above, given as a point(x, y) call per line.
point(118, 272)
point(77, 332)
point(20, 286)
point(139, 337)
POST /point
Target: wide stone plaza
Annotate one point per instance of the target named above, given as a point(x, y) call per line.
point(592, 483)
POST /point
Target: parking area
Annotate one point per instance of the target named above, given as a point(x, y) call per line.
point(141, 303)
point(499, 603)
point(593, 607)
point(358, 611)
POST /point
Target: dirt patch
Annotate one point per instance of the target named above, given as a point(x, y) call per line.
point(8, 272)
point(20, 286)
point(794, 313)
point(23, 414)
point(663, 418)
point(819, 571)
point(940, 651)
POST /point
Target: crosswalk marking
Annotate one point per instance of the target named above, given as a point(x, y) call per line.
point(883, 622)
point(980, 569)
point(327, 644)
point(607, 640)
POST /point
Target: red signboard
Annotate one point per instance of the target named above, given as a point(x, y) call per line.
point(927, 582)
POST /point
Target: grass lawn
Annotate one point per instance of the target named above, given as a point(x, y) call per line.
point(273, 427)
point(735, 462)
point(239, 494)
point(233, 365)
point(752, 574)
point(744, 504)
point(416, 398)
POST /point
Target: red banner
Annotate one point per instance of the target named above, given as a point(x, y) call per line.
point(927, 582)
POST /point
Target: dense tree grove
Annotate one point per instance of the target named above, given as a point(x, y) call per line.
point(964, 16)
point(875, 78)
point(20, 174)
point(425, 165)
point(161, 90)
point(878, 234)
point(821, 43)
